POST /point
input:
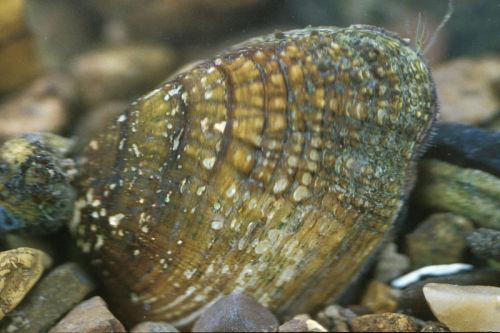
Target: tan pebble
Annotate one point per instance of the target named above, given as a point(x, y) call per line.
point(385, 322)
point(465, 308)
point(380, 298)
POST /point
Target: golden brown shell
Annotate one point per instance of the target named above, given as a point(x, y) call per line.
point(273, 169)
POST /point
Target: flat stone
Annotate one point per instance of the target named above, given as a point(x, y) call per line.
point(465, 308)
point(20, 269)
point(60, 290)
point(380, 298)
point(151, 326)
point(385, 322)
point(236, 313)
point(471, 193)
point(90, 316)
point(440, 239)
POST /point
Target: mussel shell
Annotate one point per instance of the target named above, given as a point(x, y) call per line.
point(273, 170)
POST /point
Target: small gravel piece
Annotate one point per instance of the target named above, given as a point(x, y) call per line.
point(236, 313)
point(385, 322)
point(151, 326)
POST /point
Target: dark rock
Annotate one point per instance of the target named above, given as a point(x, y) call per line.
point(467, 146)
point(385, 322)
point(89, 316)
point(52, 297)
point(236, 313)
point(150, 326)
point(485, 243)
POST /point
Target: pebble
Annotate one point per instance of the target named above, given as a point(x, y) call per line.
point(18, 60)
point(336, 318)
point(20, 269)
point(151, 326)
point(236, 313)
point(44, 106)
point(380, 298)
point(301, 323)
point(385, 322)
point(60, 290)
point(465, 308)
point(412, 300)
point(485, 243)
point(465, 89)
point(89, 316)
point(136, 69)
point(390, 263)
point(471, 193)
point(467, 146)
point(440, 239)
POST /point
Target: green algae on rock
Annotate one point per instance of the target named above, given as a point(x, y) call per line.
point(35, 191)
point(273, 169)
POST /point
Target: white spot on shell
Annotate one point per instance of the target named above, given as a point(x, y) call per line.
point(209, 162)
point(122, 118)
point(115, 220)
point(280, 185)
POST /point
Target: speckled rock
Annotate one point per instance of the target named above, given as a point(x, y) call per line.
point(385, 322)
point(301, 324)
point(434, 327)
point(52, 297)
point(43, 106)
point(20, 269)
point(380, 298)
point(135, 69)
point(471, 193)
point(89, 316)
point(465, 89)
point(465, 308)
point(335, 318)
point(236, 313)
point(150, 326)
point(440, 239)
point(485, 243)
point(390, 263)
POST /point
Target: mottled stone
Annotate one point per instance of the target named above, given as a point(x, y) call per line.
point(485, 243)
point(36, 195)
point(434, 327)
point(380, 298)
point(471, 193)
point(236, 313)
point(465, 89)
point(335, 318)
point(136, 68)
point(52, 297)
point(412, 300)
point(440, 239)
point(385, 322)
point(390, 263)
point(20, 269)
point(90, 316)
point(465, 308)
point(44, 106)
point(150, 326)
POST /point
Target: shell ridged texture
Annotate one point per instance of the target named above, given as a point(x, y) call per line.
point(272, 170)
